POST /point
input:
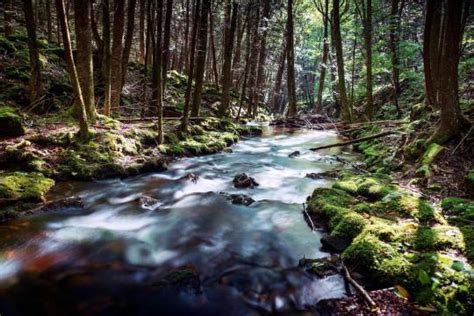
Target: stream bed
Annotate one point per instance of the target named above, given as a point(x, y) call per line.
point(168, 244)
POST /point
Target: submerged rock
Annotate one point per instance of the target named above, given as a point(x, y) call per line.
point(244, 181)
point(189, 177)
point(183, 279)
point(241, 199)
point(11, 124)
point(148, 202)
point(294, 154)
point(322, 267)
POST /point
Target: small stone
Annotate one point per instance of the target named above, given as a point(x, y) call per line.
point(241, 199)
point(149, 203)
point(244, 181)
point(314, 176)
point(294, 154)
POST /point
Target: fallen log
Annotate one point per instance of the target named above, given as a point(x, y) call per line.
point(358, 287)
point(355, 141)
point(145, 119)
point(313, 228)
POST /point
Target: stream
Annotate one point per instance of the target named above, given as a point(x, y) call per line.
point(110, 257)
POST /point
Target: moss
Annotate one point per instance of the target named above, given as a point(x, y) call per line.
point(370, 187)
point(22, 155)
point(24, 186)
point(431, 153)
point(11, 124)
point(441, 237)
point(469, 183)
point(349, 226)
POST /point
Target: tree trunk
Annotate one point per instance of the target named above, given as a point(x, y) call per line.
point(213, 56)
point(141, 35)
point(236, 62)
point(229, 36)
point(200, 58)
point(278, 79)
point(258, 93)
point(49, 21)
point(365, 11)
point(346, 109)
point(252, 75)
point(76, 86)
point(36, 84)
point(187, 97)
point(128, 41)
point(158, 70)
point(106, 55)
point(395, 13)
point(290, 55)
point(166, 43)
point(324, 61)
point(451, 119)
point(117, 53)
point(84, 65)
point(247, 59)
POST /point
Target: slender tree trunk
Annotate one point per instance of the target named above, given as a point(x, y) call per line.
point(346, 110)
point(324, 61)
point(229, 37)
point(236, 63)
point(184, 52)
point(187, 98)
point(247, 59)
point(141, 35)
point(278, 79)
point(128, 41)
point(258, 93)
point(36, 85)
point(117, 53)
point(366, 17)
point(166, 42)
point(290, 55)
point(106, 55)
point(158, 70)
point(84, 65)
point(49, 21)
point(395, 13)
point(200, 58)
point(7, 17)
point(252, 76)
point(213, 55)
point(76, 86)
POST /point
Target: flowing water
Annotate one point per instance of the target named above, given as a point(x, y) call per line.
point(111, 257)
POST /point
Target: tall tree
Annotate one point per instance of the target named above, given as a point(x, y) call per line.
point(128, 40)
point(258, 93)
point(117, 53)
point(166, 42)
point(192, 47)
point(158, 70)
point(290, 59)
point(76, 86)
point(141, 34)
point(84, 65)
point(451, 118)
point(324, 60)
point(346, 110)
point(229, 35)
point(49, 21)
point(395, 28)
point(275, 105)
point(106, 57)
point(36, 84)
point(364, 8)
point(200, 58)
point(252, 71)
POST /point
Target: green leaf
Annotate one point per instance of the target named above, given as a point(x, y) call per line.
point(423, 277)
point(458, 266)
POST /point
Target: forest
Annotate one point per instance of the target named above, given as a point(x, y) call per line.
point(209, 157)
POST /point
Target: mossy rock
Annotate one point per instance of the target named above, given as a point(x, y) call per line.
point(326, 203)
point(11, 123)
point(20, 186)
point(440, 237)
point(349, 226)
point(369, 187)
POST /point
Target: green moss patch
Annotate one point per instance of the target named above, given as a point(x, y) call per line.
point(11, 123)
point(22, 186)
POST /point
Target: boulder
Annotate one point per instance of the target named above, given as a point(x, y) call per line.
point(244, 181)
point(241, 199)
point(11, 124)
point(294, 154)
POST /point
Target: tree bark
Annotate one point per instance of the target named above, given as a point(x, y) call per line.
point(200, 58)
point(451, 119)
point(141, 35)
point(365, 11)
point(36, 85)
point(290, 55)
point(187, 97)
point(213, 55)
point(247, 59)
point(128, 40)
point(158, 70)
point(252, 75)
point(229, 36)
point(166, 42)
point(117, 53)
point(49, 21)
point(106, 56)
point(324, 61)
point(278, 79)
point(76, 86)
point(84, 64)
point(345, 106)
